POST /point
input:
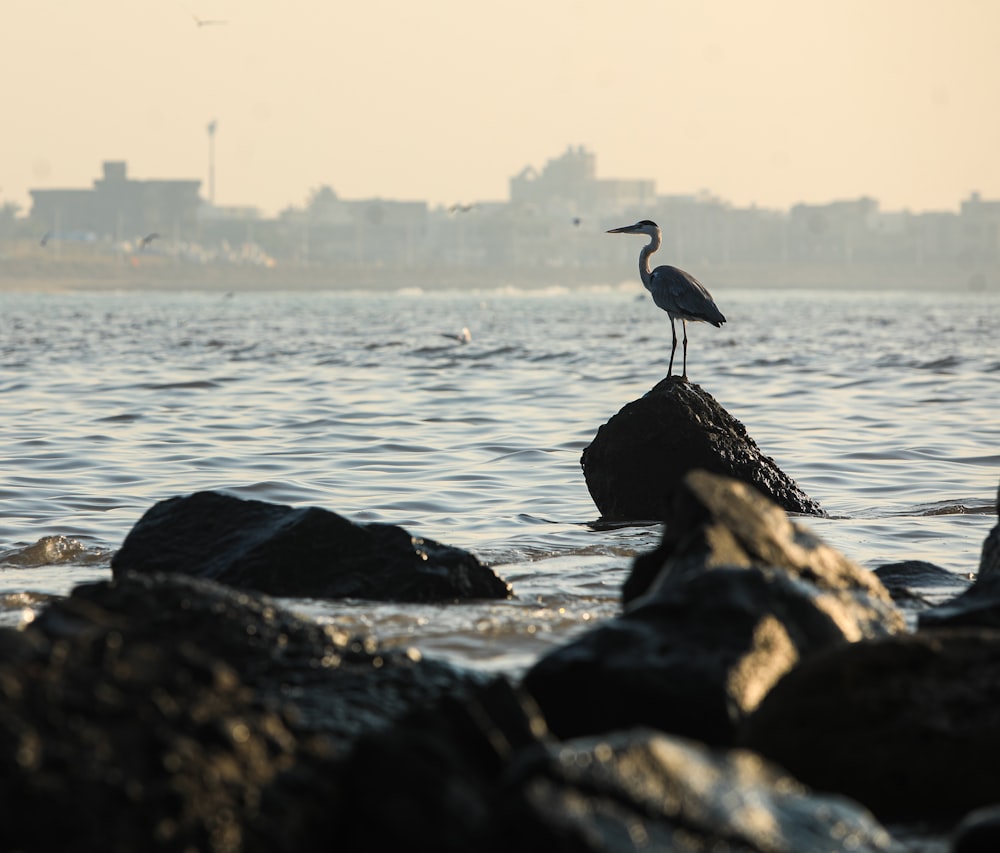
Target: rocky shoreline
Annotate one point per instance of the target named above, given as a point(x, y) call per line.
point(759, 691)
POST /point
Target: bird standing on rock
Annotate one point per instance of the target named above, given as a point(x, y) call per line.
point(678, 293)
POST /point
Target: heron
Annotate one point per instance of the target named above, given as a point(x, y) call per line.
point(678, 293)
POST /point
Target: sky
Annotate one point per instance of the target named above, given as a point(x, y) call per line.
point(766, 102)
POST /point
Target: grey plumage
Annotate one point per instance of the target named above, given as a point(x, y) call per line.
point(678, 293)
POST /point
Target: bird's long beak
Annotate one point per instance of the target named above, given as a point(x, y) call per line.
point(623, 230)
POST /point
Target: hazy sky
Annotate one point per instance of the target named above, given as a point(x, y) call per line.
point(758, 101)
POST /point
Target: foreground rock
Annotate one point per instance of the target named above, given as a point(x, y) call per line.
point(482, 775)
point(108, 743)
point(306, 552)
point(908, 725)
point(322, 680)
point(726, 610)
point(169, 713)
point(639, 457)
point(979, 605)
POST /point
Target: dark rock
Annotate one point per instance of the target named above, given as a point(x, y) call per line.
point(907, 725)
point(115, 744)
point(436, 776)
point(718, 521)
point(645, 790)
point(735, 605)
point(482, 775)
point(639, 457)
point(979, 605)
point(916, 585)
point(978, 832)
point(989, 559)
point(308, 552)
point(322, 680)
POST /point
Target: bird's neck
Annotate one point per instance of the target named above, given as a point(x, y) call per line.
point(644, 253)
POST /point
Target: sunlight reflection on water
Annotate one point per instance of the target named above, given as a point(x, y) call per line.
point(880, 406)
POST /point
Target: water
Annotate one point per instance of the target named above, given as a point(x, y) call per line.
point(880, 405)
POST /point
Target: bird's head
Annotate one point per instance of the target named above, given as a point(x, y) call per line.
point(643, 226)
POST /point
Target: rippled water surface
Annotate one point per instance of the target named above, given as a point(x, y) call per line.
point(880, 405)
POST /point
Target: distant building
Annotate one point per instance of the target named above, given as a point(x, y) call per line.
point(120, 207)
point(573, 178)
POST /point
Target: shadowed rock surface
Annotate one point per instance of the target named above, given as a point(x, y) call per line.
point(482, 775)
point(639, 457)
point(323, 680)
point(916, 585)
point(170, 713)
point(732, 606)
point(908, 725)
point(109, 743)
point(308, 552)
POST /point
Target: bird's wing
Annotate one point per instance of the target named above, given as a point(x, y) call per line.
point(681, 294)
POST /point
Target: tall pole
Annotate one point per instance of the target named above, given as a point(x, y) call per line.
point(212, 125)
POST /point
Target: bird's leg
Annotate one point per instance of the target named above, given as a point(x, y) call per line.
point(673, 349)
point(684, 324)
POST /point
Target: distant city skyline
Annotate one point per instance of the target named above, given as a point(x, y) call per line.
point(773, 103)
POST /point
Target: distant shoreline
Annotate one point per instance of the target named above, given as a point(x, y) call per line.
point(158, 274)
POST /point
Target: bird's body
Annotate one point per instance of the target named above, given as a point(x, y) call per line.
point(678, 293)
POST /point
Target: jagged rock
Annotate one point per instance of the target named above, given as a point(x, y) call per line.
point(989, 560)
point(115, 744)
point(307, 552)
point(639, 457)
point(483, 776)
point(644, 790)
point(916, 585)
point(731, 607)
point(324, 681)
point(978, 832)
point(908, 725)
point(979, 604)
point(437, 776)
point(719, 521)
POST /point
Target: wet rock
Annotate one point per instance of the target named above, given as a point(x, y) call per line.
point(308, 552)
point(639, 457)
point(908, 725)
point(989, 560)
point(719, 521)
point(324, 681)
point(979, 605)
point(437, 776)
point(483, 775)
point(732, 606)
point(978, 832)
point(916, 585)
point(644, 790)
point(114, 743)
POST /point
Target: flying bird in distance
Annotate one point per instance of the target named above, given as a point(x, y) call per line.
point(207, 22)
point(145, 241)
point(45, 239)
point(678, 293)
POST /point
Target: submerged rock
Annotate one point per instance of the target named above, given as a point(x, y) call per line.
point(907, 725)
point(307, 552)
point(639, 457)
point(726, 610)
point(917, 584)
